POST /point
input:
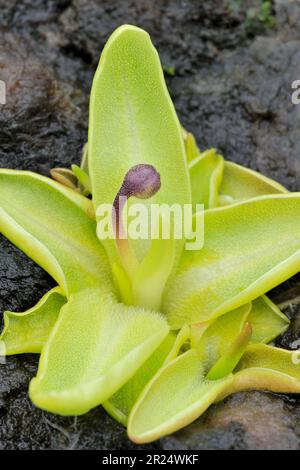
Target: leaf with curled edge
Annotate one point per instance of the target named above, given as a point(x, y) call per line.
point(180, 392)
point(206, 172)
point(267, 321)
point(27, 332)
point(220, 334)
point(95, 347)
point(265, 367)
point(133, 121)
point(177, 395)
point(121, 403)
point(53, 225)
point(219, 365)
point(240, 183)
point(249, 248)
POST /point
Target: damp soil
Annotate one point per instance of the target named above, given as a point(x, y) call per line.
point(229, 70)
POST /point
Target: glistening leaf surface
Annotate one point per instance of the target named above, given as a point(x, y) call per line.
point(96, 346)
point(267, 320)
point(249, 248)
point(206, 175)
point(121, 403)
point(176, 396)
point(267, 368)
point(133, 121)
point(50, 223)
point(242, 183)
point(28, 331)
point(218, 337)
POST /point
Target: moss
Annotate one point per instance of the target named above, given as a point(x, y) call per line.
point(257, 15)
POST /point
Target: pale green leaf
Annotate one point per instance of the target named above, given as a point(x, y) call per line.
point(191, 149)
point(222, 332)
point(240, 183)
point(133, 121)
point(182, 339)
point(123, 283)
point(177, 395)
point(229, 360)
point(83, 179)
point(249, 248)
point(206, 173)
point(52, 225)
point(267, 320)
point(267, 368)
point(149, 280)
point(28, 331)
point(95, 347)
point(121, 403)
point(65, 177)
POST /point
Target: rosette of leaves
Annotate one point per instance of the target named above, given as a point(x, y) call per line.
point(152, 331)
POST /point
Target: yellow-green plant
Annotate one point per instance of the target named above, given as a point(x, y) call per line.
point(152, 331)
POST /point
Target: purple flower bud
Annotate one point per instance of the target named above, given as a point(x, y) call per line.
point(141, 181)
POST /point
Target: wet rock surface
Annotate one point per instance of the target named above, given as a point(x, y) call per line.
point(250, 420)
point(231, 87)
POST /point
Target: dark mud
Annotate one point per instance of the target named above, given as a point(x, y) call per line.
point(231, 87)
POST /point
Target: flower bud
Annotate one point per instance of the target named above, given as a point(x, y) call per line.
point(141, 181)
